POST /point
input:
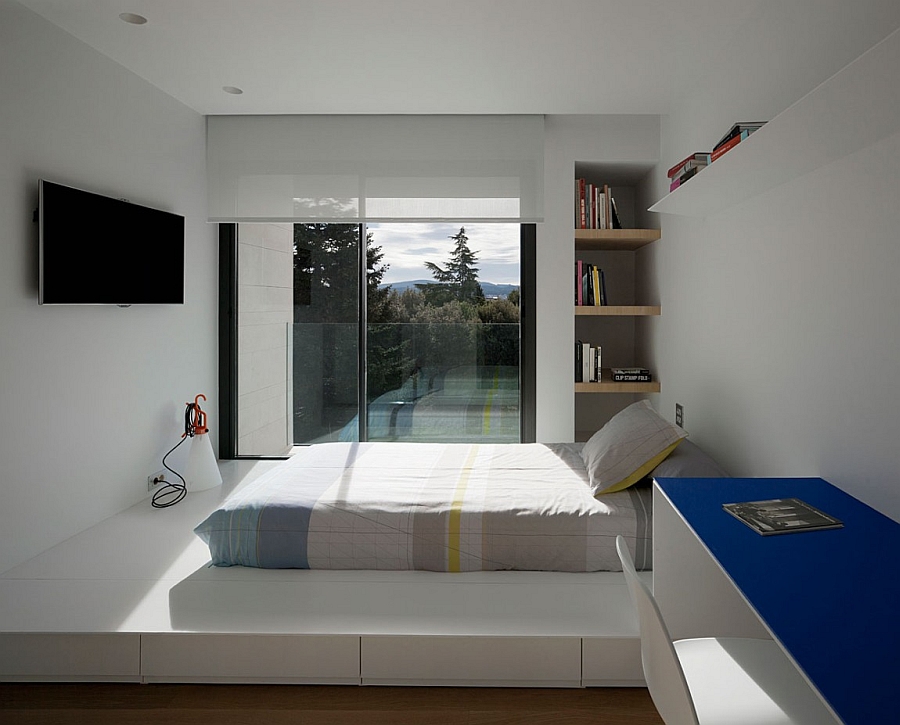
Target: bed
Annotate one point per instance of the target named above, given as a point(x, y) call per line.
point(451, 507)
point(428, 506)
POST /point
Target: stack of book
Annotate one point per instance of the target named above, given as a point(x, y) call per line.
point(737, 133)
point(631, 375)
point(590, 284)
point(595, 207)
point(687, 168)
point(587, 362)
point(696, 162)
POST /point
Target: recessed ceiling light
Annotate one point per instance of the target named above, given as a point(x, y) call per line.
point(233, 90)
point(133, 18)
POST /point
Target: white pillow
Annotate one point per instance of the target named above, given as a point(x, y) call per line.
point(628, 447)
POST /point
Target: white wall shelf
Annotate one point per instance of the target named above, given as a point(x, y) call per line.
point(855, 108)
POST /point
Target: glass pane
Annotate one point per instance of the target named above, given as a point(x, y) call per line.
point(443, 332)
point(325, 400)
point(264, 317)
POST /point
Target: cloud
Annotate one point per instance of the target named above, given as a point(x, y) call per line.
point(407, 247)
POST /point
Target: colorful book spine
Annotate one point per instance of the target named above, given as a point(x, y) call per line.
point(728, 145)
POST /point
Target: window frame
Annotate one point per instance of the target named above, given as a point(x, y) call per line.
point(228, 339)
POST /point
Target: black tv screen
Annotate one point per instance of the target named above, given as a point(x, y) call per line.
point(96, 250)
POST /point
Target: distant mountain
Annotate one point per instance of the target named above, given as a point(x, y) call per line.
point(489, 288)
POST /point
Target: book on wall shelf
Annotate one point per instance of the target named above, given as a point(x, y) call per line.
point(595, 207)
point(590, 285)
point(687, 168)
point(781, 516)
point(738, 129)
point(632, 375)
point(587, 362)
point(690, 166)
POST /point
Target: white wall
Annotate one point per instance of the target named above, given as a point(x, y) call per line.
point(91, 397)
point(608, 140)
point(779, 332)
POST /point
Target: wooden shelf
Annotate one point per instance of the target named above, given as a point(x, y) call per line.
point(617, 310)
point(855, 108)
point(628, 240)
point(606, 385)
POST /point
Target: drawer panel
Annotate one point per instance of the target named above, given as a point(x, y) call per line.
point(44, 657)
point(488, 661)
point(612, 662)
point(308, 659)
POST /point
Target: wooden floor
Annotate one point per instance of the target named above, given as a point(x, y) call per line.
point(101, 704)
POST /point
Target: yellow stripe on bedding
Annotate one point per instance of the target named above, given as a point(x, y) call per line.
point(453, 535)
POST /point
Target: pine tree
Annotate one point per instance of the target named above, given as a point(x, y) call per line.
point(458, 280)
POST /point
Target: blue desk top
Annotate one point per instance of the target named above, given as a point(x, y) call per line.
point(832, 598)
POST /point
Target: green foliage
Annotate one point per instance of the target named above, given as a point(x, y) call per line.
point(326, 282)
point(498, 312)
point(437, 326)
point(458, 279)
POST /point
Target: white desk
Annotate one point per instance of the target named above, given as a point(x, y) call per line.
point(830, 598)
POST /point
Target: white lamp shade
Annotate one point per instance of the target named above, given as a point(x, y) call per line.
point(202, 468)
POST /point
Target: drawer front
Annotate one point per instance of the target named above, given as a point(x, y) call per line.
point(308, 659)
point(70, 657)
point(427, 660)
point(612, 662)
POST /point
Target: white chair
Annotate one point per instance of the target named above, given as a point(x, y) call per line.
point(715, 680)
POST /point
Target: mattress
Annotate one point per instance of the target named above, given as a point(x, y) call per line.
point(448, 507)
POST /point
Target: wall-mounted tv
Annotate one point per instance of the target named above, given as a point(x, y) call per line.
point(96, 250)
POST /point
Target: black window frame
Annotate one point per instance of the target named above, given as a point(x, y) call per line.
point(228, 339)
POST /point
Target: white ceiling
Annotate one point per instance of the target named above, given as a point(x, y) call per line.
point(465, 56)
point(410, 56)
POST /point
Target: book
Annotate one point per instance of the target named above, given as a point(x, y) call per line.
point(587, 362)
point(689, 174)
point(632, 378)
point(579, 273)
point(720, 151)
point(581, 207)
point(616, 224)
point(698, 157)
point(579, 369)
point(631, 375)
point(587, 282)
point(595, 207)
point(781, 516)
point(737, 129)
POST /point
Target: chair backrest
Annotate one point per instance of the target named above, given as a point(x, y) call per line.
point(662, 670)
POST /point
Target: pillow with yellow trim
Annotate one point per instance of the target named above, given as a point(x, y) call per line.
point(634, 442)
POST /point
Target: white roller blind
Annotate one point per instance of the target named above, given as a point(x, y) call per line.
point(375, 168)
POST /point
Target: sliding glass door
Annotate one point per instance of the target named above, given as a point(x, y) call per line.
point(385, 332)
point(443, 333)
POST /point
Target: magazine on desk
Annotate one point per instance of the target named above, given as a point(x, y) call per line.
point(781, 516)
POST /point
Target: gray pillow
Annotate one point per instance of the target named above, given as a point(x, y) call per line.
point(689, 461)
point(628, 447)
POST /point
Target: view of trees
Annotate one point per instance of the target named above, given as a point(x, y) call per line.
point(325, 283)
point(436, 325)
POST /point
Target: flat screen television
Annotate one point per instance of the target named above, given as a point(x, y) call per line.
point(96, 250)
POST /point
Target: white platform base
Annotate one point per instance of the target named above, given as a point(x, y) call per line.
point(134, 599)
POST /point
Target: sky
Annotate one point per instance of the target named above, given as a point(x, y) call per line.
point(407, 247)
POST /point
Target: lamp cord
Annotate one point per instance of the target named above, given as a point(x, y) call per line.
point(173, 491)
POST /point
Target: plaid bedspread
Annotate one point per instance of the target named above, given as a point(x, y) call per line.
point(447, 507)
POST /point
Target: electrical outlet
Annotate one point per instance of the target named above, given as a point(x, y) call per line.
point(679, 415)
point(156, 480)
